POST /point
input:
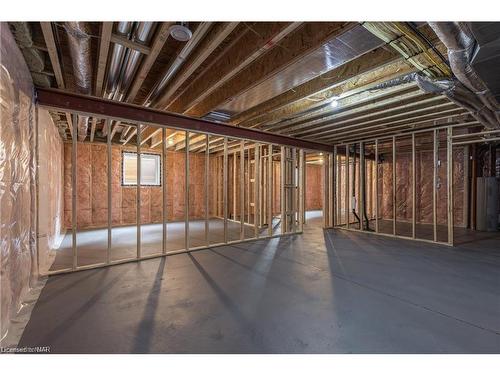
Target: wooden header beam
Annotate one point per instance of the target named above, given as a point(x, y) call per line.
point(114, 110)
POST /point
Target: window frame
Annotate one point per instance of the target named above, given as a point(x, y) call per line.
point(160, 169)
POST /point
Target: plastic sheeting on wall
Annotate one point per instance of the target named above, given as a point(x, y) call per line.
point(50, 187)
point(17, 179)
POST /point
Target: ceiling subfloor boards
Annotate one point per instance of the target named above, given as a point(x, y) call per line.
point(292, 48)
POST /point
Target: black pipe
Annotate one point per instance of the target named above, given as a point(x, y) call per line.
point(353, 192)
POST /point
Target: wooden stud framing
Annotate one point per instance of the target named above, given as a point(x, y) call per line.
point(164, 190)
point(74, 193)
point(449, 182)
point(224, 184)
point(394, 200)
point(207, 189)
point(347, 190)
point(270, 190)
point(186, 194)
point(302, 170)
point(434, 183)
point(413, 188)
point(334, 187)
point(376, 187)
point(138, 207)
point(242, 189)
point(283, 199)
point(295, 189)
point(362, 185)
point(110, 197)
point(256, 191)
point(330, 184)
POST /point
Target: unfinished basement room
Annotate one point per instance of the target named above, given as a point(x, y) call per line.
point(250, 187)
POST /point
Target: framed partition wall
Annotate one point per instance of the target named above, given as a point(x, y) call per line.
point(171, 188)
point(403, 185)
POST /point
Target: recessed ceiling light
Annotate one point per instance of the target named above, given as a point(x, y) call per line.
point(334, 103)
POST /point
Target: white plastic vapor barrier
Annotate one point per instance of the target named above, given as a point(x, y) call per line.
point(17, 181)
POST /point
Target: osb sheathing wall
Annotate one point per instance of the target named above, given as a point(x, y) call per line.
point(50, 187)
point(92, 205)
point(17, 180)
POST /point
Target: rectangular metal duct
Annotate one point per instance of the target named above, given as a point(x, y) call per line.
point(337, 51)
point(486, 59)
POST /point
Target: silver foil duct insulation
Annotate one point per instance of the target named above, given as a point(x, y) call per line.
point(461, 43)
point(79, 47)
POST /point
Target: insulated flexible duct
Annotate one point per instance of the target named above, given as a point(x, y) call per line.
point(453, 89)
point(79, 47)
point(461, 44)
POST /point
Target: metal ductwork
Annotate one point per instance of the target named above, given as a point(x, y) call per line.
point(79, 47)
point(460, 95)
point(125, 61)
point(461, 45)
point(116, 59)
point(132, 58)
point(198, 35)
point(453, 89)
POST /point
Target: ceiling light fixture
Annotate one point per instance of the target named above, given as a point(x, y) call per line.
point(180, 32)
point(334, 103)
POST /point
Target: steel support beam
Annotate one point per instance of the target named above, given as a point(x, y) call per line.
point(126, 112)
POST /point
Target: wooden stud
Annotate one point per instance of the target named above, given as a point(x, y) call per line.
point(256, 191)
point(138, 207)
point(207, 189)
point(186, 194)
point(126, 42)
point(242, 189)
point(434, 183)
point(376, 187)
point(110, 191)
point(270, 213)
point(224, 193)
point(74, 188)
point(104, 42)
point(362, 186)
point(164, 190)
point(394, 200)
point(449, 183)
point(414, 187)
point(50, 42)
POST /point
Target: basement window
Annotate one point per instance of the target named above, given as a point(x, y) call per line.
point(150, 169)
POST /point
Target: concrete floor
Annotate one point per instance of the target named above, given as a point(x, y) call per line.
point(92, 244)
point(321, 292)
